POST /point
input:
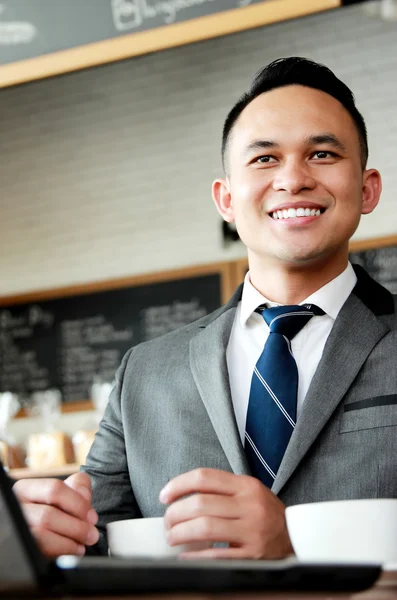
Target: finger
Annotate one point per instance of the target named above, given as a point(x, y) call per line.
point(53, 492)
point(49, 518)
point(81, 483)
point(53, 545)
point(206, 529)
point(200, 505)
point(206, 481)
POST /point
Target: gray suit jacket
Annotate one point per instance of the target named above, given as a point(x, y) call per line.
point(171, 412)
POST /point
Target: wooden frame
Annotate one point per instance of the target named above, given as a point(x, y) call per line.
point(159, 38)
point(241, 265)
point(224, 269)
point(369, 244)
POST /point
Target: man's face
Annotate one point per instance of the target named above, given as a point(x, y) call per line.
point(294, 152)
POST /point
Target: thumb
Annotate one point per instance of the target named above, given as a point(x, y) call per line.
point(80, 483)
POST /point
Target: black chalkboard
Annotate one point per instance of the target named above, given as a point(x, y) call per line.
point(65, 343)
point(31, 28)
point(381, 264)
point(43, 38)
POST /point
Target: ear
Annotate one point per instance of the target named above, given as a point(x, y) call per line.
point(223, 199)
point(372, 188)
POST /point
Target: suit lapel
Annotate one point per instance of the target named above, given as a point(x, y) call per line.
point(209, 368)
point(355, 333)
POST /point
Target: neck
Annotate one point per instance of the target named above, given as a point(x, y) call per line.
point(288, 284)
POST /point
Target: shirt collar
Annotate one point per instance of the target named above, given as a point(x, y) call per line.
point(331, 297)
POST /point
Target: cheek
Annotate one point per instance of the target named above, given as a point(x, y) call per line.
point(248, 193)
point(345, 186)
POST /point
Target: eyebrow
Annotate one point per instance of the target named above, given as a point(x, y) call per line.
point(326, 138)
point(323, 138)
point(260, 145)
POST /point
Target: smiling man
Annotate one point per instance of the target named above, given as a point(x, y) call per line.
point(287, 394)
point(297, 184)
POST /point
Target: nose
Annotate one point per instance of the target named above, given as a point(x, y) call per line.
point(293, 177)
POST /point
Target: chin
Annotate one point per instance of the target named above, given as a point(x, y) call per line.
point(296, 254)
point(303, 258)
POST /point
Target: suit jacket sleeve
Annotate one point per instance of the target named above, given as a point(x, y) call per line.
point(106, 464)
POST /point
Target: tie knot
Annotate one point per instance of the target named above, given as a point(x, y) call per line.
point(289, 320)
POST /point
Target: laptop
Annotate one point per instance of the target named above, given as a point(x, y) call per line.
point(24, 569)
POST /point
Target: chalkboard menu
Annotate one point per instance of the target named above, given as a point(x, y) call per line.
point(66, 343)
point(39, 27)
point(381, 264)
point(39, 38)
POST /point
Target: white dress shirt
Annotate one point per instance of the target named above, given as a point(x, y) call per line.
point(250, 331)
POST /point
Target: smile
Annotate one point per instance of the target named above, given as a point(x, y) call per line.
point(293, 213)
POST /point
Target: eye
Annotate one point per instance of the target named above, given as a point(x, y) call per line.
point(264, 160)
point(323, 154)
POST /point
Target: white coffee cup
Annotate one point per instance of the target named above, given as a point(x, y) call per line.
point(353, 531)
point(144, 537)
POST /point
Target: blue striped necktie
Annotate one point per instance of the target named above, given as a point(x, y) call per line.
point(271, 414)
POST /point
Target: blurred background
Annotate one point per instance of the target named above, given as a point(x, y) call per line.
point(106, 170)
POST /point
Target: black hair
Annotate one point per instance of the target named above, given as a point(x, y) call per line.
point(296, 70)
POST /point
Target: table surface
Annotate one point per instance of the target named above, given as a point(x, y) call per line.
point(384, 589)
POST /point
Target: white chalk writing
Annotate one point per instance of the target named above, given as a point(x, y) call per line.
point(13, 33)
point(131, 14)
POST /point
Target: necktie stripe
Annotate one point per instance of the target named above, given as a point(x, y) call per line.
point(274, 397)
point(288, 344)
point(291, 314)
point(271, 413)
point(260, 457)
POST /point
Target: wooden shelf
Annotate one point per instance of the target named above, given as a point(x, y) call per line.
point(64, 471)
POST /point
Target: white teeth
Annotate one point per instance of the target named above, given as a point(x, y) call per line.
point(292, 213)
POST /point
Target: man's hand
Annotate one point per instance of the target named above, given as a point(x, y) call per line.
point(225, 507)
point(59, 513)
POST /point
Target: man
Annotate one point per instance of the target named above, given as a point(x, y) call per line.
point(180, 433)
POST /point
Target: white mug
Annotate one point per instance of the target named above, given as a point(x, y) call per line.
point(354, 531)
point(144, 538)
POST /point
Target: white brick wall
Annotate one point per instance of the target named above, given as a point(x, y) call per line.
point(107, 172)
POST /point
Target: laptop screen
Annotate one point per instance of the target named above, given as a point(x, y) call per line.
point(21, 564)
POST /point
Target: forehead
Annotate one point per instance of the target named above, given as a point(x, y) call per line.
point(291, 113)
